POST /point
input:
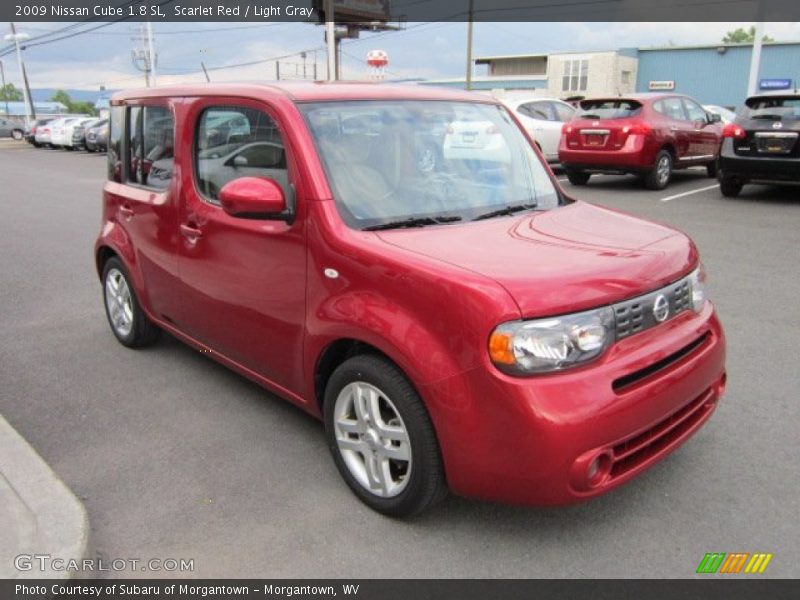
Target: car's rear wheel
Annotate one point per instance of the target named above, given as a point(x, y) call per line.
point(578, 177)
point(381, 437)
point(659, 176)
point(730, 187)
point(125, 316)
point(17, 134)
point(712, 169)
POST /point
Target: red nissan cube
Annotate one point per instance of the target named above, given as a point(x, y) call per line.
point(401, 263)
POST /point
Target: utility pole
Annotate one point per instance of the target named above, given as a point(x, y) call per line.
point(205, 72)
point(151, 53)
point(27, 89)
point(469, 46)
point(330, 40)
point(26, 96)
point(755, 60)
point(144, 58)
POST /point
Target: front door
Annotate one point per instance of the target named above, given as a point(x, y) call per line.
point(242, 280)
point(705, 136)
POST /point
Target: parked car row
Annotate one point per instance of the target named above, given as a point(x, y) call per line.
point(70, 133)
point(653, 134)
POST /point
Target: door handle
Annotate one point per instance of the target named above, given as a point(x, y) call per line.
point(191, 233)
point(126, 211)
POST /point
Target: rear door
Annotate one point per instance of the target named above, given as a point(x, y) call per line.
point(675, 126)
point(142, 191)
point(705, 136)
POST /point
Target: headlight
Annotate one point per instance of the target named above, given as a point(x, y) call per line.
point(698, 282)
point(542, 345)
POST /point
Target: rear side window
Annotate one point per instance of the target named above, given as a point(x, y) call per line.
point(773, 108)
point(609, 109)
point(151, 144)
point(233, 142)
point(670, 107)
point(115, 132)
point(538, 110)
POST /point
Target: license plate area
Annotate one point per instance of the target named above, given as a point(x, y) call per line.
point(595, 138)
point(775, 143)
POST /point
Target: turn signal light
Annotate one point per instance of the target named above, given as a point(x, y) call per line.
point(731, 130)
point(500, 348)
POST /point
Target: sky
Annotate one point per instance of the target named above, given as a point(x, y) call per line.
point(421, 50)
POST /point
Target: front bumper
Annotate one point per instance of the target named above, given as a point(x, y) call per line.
point(536, 440)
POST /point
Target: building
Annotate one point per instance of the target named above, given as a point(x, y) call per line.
point(714, 74)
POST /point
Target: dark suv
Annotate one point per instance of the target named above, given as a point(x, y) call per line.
point(761, 145)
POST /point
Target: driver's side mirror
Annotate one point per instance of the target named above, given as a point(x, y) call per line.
point(240, 161)
point(714, 118)
point(255, 198)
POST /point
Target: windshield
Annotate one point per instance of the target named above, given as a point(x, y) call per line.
point(773, 108)
point(416, 163)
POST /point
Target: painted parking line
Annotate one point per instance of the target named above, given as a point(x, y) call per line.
point(690, 192)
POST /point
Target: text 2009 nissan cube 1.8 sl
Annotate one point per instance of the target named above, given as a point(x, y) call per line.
point(400, 262)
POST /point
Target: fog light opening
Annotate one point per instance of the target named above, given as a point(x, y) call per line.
point(598, 469)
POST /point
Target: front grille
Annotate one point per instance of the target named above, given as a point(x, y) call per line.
point(634, 451)
point(638, 314)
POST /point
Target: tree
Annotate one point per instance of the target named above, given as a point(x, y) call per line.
point(10, 93)
point(73, 106)
point(742, 36)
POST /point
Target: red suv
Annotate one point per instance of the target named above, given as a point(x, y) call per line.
point(649, 135)
point(457, 324)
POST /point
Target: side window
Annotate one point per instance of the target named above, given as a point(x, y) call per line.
point(537, 110)
point(671, 107)
point(694, 111)
point(151, 135)
point(115, 132)
point(233, 142)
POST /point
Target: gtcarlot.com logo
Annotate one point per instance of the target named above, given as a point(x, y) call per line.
point(734, 563)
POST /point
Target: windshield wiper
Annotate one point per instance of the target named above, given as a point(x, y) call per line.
point(506, 210)
point(414, 222)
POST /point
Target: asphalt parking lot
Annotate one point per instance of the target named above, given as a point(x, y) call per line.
point(177, 457)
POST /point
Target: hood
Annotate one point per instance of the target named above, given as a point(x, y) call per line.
point(571, 258)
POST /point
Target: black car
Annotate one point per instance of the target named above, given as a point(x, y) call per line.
point(97, 136)
point(761, 145)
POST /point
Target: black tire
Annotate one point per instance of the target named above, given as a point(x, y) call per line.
point(578, 177)
point(142, 331)
point(712, 169)
point(18, 134)
point(730, 187)
point(426, 483)
point(660, 175)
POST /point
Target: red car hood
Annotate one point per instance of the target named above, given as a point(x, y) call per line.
point(572, 258)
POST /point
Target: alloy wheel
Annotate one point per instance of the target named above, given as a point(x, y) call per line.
point(119, 303)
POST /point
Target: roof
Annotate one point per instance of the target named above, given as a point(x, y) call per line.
point(640, 96)
point(305, 91)
point(715, 46)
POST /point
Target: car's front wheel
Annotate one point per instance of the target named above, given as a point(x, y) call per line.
point(17, 134)
point(730, 187)
point(712, 169)
point(128, 322)
point(381, 437)
point(658, 177)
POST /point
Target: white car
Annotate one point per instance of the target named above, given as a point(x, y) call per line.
point(543, 118)
point(61, 134)
point(44, 132)
point(725, 114)
point(475, 140)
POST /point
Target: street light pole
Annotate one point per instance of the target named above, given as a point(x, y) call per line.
point(151, 53)
point(755, 59)
point(469, 47)
point(16, 37)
